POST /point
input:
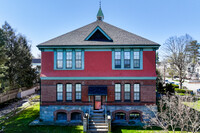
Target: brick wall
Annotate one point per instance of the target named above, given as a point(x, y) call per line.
point(148, 94)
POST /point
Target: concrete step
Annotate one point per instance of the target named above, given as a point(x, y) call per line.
point(96, 121)
point(98, 130)
point(98, 111)
point(97, 118)
point(97, 124)
point(97, 114)
point(98, 127)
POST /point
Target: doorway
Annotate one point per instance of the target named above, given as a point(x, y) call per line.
point(97, 102)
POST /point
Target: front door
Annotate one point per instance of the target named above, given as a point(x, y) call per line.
point(97, 103)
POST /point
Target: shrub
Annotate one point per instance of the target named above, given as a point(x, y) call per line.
point(175, 86)
point(180, 90)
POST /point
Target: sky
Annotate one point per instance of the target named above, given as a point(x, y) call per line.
point(156, 20)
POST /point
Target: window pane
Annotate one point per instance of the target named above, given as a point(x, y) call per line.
point(78, 63)
point(117, 88)
point(69, 64)
point(78, 55)
point(117, 55)
point(136, 55)
point(69, 87)
point(60, 55)
point(136, 87)
point(59, 87)
point(59, 63)
point(136, 63)
point(117, 96)
point(127, 95)
point(68, 55)
point(127, 55)
point(59, 96)
point(69, 96)
point(127, 87)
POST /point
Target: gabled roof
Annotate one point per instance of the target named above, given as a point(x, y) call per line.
point(119, 37)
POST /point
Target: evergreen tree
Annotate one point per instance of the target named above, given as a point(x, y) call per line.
point(2, 57)
point(19, 72)
point(26, 74)
point(11, 50)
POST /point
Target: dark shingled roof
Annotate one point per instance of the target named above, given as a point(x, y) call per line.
point(78, 36)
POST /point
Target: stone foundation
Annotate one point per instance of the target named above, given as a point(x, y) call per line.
point(48, 113)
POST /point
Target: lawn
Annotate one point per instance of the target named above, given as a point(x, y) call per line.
point(194, 105)
point(20, 124)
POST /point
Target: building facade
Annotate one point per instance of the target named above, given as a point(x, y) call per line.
point(97, 67)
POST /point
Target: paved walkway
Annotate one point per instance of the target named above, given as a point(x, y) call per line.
point(11, 107)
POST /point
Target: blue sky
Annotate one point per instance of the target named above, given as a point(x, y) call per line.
point(157, 20)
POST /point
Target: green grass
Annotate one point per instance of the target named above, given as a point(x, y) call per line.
point(194, 105)
point(20, 124)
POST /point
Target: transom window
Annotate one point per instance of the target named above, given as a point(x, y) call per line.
point(127, 90)
point(136, 60)
point(117, 92)
point(117, 59)
point(59, 60)
point(127, 60)
point(78, 92)
point(78, 59)
point(69, 92)
point(59, 92)
point(69, 60)
point(136, 92)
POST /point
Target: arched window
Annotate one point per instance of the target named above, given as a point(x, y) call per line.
point(120, 116)
point(135, 116)
point(76, 116)
point(61, 116)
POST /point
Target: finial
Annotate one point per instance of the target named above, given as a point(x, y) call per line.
point(99, 3)
point(100, 15)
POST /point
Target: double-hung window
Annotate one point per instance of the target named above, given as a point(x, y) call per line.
point(117, 92)
point(136, 59)
point(127, 60)
point(59, 88)
point(78, 59)
point(68, 92)
point(127, 91)
point(78, 92)
point(117, 59)
point(59, 60)
point(69, 60)
point(136, 92)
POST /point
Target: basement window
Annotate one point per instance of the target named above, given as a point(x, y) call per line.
point(120, 116)
point(61, 116)
point(76, 116)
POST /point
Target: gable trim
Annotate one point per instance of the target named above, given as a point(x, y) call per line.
point(92, 33)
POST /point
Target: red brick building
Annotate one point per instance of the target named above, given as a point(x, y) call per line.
point(97, 67)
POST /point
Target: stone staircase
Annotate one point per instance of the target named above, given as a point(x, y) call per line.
point(97, 122)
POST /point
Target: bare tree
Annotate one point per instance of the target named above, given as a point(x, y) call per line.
point(175, 51)
point(174, 113)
